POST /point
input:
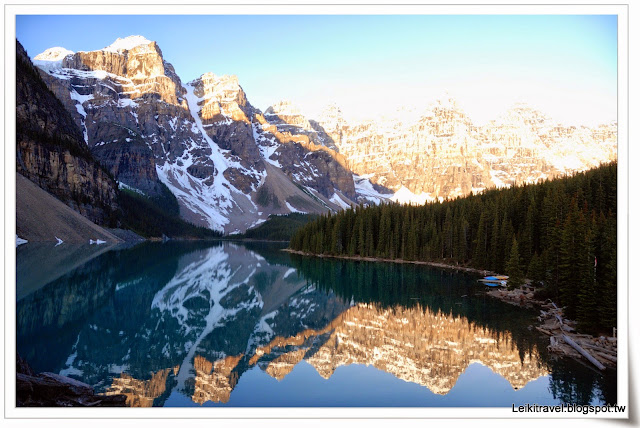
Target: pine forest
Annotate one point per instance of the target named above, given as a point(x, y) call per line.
point(560, 234)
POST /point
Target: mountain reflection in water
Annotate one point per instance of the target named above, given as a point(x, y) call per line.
point(179, 323)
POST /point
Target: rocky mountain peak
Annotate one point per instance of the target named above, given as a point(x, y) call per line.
point(331, 114)
point(523, 113)
point(53, 54)
point(133, 65)
point(51, 59)
point(285, 107)
point(288, 113)
point(50, 150)
point(221, 98)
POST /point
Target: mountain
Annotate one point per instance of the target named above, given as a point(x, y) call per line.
point(227, 164)
point(442, 154)
point(231, 166)
point(51, 152)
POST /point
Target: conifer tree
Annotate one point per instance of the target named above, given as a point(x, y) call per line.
point(514, 268)
point(606, 268)
point(536, 271)
point(481, 242)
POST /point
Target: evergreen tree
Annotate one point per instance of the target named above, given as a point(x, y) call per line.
point(514, 267)
point(481, 242)
point(606, 270)
point(536, 271)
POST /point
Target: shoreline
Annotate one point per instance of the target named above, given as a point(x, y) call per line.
point(483, 272)
point(522, 296)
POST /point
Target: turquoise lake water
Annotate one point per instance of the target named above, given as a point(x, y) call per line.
point(239, 324)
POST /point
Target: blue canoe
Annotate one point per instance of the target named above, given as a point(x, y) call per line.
point(494, 281)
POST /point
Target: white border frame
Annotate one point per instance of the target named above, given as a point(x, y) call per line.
point(74, 8)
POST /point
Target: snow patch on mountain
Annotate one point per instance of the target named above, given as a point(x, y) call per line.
point(366, 191)
point(80, 100)
point(126, 44)
point(51, 59)
point(406, 196)
point(288, 272)
point(336, 199)
point(213, 202)
point(292, 209)
point(266, 145)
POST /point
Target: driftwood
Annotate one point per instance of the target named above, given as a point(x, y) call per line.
point(582, 352)
point(600, 351)
point(606, 356)
point(547, 332)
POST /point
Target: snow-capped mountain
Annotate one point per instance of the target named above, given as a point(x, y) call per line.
point(231, 165)
point(227, 164)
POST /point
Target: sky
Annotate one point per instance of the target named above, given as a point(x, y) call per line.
point(371, 65)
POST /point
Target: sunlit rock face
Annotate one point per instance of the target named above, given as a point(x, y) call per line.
point(442, 154)
point(419, 346)
point(142, 393)
point(214, 381)
point(228, 165)
point(413, 344)
point(289, 120)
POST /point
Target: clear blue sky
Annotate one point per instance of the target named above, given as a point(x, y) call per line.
point(565, 65)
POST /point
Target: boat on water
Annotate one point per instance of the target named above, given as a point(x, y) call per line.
point(495, 281)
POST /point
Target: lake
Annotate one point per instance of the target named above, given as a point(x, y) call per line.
point(246, 324)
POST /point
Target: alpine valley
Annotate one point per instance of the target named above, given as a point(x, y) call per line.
point(230, 165)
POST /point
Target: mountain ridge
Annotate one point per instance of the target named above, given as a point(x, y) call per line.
point(220, 156)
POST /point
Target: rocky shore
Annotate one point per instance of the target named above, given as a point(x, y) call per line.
point(564, 340)
point(54, 390)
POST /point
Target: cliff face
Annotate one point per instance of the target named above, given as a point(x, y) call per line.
point(50, 150)
point(440, 153)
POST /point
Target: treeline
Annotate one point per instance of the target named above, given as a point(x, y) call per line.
point(279, 227)
point(561, 234)
point(157, 216)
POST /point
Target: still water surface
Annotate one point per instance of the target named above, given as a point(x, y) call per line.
point(229, 324)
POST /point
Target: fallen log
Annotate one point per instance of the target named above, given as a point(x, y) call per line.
point(607, 357)
point(582, 352)
point(544, 331)
point(600, 349)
